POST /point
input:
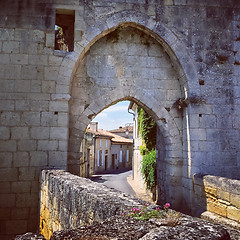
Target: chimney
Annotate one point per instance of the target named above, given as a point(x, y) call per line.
point(94, 126)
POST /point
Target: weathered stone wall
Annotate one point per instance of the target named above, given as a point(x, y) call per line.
point(68, 201)
point(40, 127)
point(220, 197)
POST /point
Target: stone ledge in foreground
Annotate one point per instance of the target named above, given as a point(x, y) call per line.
point(126, 228)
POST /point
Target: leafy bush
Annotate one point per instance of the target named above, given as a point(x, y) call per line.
point(148, 169)
point(147, 128)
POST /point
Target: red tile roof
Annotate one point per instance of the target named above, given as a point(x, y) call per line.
point(122, 129)
point(114, 137)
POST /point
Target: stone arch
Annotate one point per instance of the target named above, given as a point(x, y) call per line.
point(82, 113)
point(172, 44)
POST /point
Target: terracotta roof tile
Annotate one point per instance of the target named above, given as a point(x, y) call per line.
point(114, 137)
point(122, 129)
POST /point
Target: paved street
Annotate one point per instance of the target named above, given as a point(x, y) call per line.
point(116, 180)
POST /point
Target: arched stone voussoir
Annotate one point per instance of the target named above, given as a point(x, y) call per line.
point(126, 16)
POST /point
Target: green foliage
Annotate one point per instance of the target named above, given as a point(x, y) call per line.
point(147, 128)
point(148, 169)
point(168, 217)
point(143, 150)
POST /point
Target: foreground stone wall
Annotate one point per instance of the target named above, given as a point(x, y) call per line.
point(220, 197)
point(68, 201)
point(46, 104)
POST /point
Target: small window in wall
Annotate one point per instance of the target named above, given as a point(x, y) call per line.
point(127, 155)
point(98, 158)
point(100, 143)
point(64, 29)
point(102, 159)
point(120, 160)
point(106, 143)
point(106, 152)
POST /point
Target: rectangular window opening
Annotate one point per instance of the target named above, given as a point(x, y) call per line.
point(64, 29)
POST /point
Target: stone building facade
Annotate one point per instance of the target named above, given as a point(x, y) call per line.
point(178, 59)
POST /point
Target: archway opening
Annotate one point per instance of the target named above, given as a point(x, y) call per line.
point(107, 144)
point(128, 64)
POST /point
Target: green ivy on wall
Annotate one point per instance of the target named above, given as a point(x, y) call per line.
point(148, 129)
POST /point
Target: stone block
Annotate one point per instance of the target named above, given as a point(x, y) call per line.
point(5, 213)
point(5, 187)
point(20, 213)
point(55, 60)
point(233, 213)
point(51, 73)
point(27, 200)
point(38, 36)
point(48, 86)
point(47, 145)
point(31, 118)
point(221, 194)
point(63, 146)
point(39, 96)
point(21, 187)
point(22, 105)
point(50, 40)
point(34, 187)
point(29, 72)
point(22, 86)
point(235, 200)
point(39, 133)
point(6, 34)
point(217, 208)
point(5, 59)
point(4, 133)
point(27, 174)
point(38, 159)
point(19, 133)
point(57, 159)
point(21, 159)
point(36, 86)
point(59, 133)
point(11, 47)
point(62, 89)
point(198, 134)
point(12, 72)
point(7, 200)
point(8, 174)
point(38, 59)
point(211, 191)
point(58, 106)
point(27, 145)
point(49, 119)
point(19, 59)
point(16, 226)
point(5, 159)
point(63, 120)
point(8, 146)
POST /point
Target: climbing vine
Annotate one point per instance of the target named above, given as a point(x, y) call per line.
point(148, 128)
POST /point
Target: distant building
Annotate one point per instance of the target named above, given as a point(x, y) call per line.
point(137, 157)
point(104, 151)
point(126, 132)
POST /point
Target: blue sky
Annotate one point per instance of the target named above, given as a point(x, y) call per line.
point(115, 116)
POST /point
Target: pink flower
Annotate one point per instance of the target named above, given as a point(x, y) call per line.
point(167, 205)
point(157, 208)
